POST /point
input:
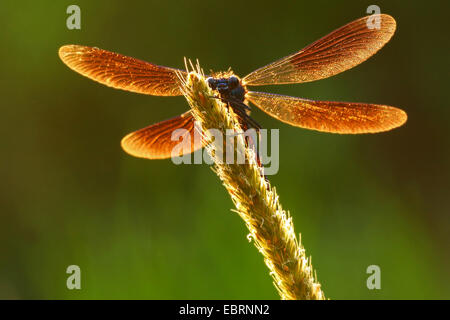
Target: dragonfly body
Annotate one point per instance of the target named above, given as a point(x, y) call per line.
point(229, 88)
point(342, 49)
point(231, 91)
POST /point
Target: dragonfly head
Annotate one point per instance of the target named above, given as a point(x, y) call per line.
point(228, 87)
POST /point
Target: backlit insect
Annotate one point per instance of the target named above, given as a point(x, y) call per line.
point(340, 50)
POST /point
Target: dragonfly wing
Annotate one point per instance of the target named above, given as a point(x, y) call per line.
point(340, 50)
point(156, 141)
point(329, 116)
point(121, 72)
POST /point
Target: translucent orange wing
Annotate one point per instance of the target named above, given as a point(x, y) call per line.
point(121, 72)
point(340, 50)
point(329, 116)
point(155, 141)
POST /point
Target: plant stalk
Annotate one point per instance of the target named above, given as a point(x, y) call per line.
point(257, 203)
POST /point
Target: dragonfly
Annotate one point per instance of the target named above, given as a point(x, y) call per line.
point(342, 49)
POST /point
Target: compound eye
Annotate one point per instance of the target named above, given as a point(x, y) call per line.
point(233, 82)
point(211, 83)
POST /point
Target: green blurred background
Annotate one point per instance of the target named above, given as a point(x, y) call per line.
point(154, 230)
